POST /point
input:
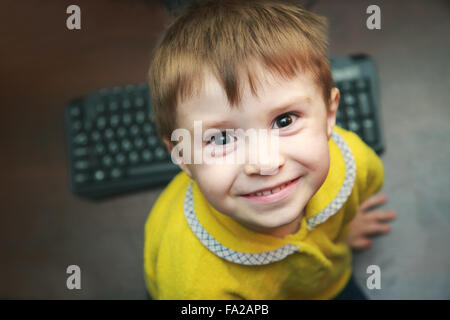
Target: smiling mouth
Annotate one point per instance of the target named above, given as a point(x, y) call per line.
point(272, 190)
point(274, 194)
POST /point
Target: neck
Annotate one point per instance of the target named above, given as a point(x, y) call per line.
point(290, 228)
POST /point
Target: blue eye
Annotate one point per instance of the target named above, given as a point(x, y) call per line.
point(222, 138)
point(284, 120)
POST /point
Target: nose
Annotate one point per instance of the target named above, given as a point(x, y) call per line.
point(263, 153)
point(265, 168)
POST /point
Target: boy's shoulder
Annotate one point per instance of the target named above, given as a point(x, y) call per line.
point(165, 213)
point(369, 167)
point(176, 264)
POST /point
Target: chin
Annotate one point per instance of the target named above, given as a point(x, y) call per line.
point(280, 220)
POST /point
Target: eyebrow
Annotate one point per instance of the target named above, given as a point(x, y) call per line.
point(303, 100)
point(223, 124)
point(226, 124)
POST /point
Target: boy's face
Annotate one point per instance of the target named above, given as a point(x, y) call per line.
point(295, 108)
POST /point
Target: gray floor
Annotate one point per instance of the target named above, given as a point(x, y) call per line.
point(51, 228)
point(412, 51)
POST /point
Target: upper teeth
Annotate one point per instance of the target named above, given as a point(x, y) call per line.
point(266, 192)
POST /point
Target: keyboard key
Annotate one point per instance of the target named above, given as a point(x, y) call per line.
point(130, 88)
point(126, 118)
point(104, 91)
point(101, 122)
point(134, 130)
point(147, 128)
point(75, 112)
point(88, 126)
point(126, 145)
point(139, 143)
point(100, 149)
point(114, 120)
point(351, 113)
point(369, 131)
point(76, 126)
point(353, 126)
point(160, 153)
point(364, 104)
point(140, 116)
point(133, 157)
point(107, 161)
point(139, 101)
point(121, 159)
point(147, 155)
point(109, 134)
point(80, 178)
point(121, 132)
point(142, 87)
point(100, 107)
point(113, 105)
point(116, 173)
point(126, 104)
point(349, 99)
point(81, 165)
point(346, 86)
point(81, 152)
point(361, 84)
point(99, 175)
point(152, 141)
point(96, 136)
point(113, 147)
point(81, 139)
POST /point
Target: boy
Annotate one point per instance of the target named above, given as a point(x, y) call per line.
point(278, 228)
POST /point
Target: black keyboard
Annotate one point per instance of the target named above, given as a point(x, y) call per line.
point(113, 147)
point(359, 107)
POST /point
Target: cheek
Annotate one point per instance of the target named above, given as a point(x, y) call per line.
point(312, 153)
point(214, 181)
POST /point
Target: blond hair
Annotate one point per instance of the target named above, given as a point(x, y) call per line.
point(227, 38)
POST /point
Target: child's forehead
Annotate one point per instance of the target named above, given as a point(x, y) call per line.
point(211, 101)
point(208, 89)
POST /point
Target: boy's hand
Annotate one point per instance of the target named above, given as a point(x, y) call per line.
point(369, 222)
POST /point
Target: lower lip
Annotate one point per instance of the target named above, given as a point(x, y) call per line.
point(274, 197)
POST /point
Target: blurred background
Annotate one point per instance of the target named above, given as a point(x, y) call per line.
point(44, 227)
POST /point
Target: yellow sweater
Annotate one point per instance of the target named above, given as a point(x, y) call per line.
point(191, 251)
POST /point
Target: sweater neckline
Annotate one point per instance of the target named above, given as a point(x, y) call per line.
point(233, 242)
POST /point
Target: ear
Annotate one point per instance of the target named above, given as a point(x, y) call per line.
point(180, 162)
point(333, 105)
